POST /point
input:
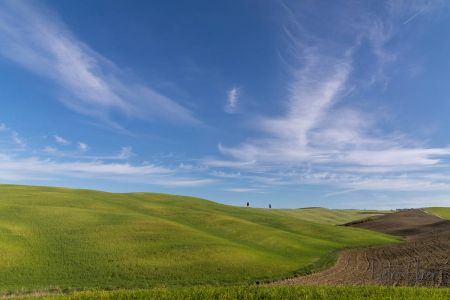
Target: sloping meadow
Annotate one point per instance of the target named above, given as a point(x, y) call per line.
point(442, 212)
point(64, 238)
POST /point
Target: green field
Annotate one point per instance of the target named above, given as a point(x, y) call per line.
point(329, 216)
point(65, 238)
point(254, 293)
point(443, 212)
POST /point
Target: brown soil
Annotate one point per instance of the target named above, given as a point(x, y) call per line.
point(422, 260)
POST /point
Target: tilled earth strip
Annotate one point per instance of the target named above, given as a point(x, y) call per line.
point(422, 260)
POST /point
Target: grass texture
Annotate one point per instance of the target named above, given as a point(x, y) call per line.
point(442, 212)
point(267, 293)
point(82, 239)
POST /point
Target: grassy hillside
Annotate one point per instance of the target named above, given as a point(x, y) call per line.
point(55, 237)
point(443, 212)
point(253, 292)
point(329, 216)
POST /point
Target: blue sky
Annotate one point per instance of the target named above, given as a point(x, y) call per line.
point(295, 103)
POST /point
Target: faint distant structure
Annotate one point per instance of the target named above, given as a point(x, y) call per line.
point(248, 204)
point(270, 205)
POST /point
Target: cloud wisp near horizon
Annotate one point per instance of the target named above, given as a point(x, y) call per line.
point(51, 165)
point(324, 131)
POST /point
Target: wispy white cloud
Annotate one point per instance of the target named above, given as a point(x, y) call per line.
point(34, 37)
point(241, 190)
point(184, 182)
point(125, 153)
point(405, 11)
point(50, 150)
point(49, 164)
point(414, 202)
point(227, 163)
point(320, 139)
point(82, 147)
point(19, 141)
point(222, 174)
point(35, 167)
point(232, 103)
point(60, 140)
point(380, 29)
point(414, 16)
point(11, 136)
point(23, 169)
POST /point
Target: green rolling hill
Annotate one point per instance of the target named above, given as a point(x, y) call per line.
point(329, 216)
point(56, 237)
point(442, 212)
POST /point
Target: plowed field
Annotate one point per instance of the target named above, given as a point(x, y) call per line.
point(421, 260)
